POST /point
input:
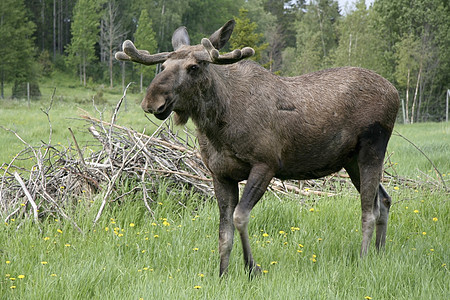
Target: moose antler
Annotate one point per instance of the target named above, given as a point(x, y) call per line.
point(130, 53)
point(228, 58)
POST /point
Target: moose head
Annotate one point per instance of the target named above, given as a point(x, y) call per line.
point(184, 68)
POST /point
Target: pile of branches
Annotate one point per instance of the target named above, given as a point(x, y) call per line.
point(60, 176)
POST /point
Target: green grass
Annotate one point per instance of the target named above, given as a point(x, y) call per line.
point(130, 255)
point(173, 254)
point(31, 124)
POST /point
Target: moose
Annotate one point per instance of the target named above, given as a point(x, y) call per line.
point(253, 125)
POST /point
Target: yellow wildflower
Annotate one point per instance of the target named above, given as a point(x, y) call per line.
point(197, 287)
point(21, 276)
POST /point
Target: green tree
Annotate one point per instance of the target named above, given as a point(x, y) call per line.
point(16, 30)
point(85, 34)
point(245, 35)
point(145, 39)
point(427, 22)
point(111, 34)
point(359, 41)
point(316, 37)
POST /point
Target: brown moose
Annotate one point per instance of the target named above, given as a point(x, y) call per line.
point(253, 125)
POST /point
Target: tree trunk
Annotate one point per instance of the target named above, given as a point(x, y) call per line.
point(141, 80)
point(54, 29)
point(84, 70)
point(407, 99)
point(2, 87)
point(415, 94)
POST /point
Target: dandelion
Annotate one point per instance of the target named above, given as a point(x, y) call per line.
point(7, 262)
point(201, 275)
point(22, 204)
point(160, 203)
point(59, 231)
point(197, 287)
point(67, 245)
point(132, 225)
point(156, 236)
point(435, 219)
point(295, 229)
point(424, 233)
point(281, 232)
point(300, 245)
point(299, 251)
point(143, 251)
point(21, 276)
point(46, 238)
point(106, 228)
point(13, 287)
point(432, 250)
point(44, 262)
point(367, 298)
point(319, 239)
point(265, 234)
point(311, 209)
point(195, 249)
point(53, 275)
point(153, 224)
point(396, 188)
point(273, 262)
point(265, 271)
point(12, 278)
point(416, 211)
point(165, 223)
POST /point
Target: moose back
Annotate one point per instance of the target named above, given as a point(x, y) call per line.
point(253, 125)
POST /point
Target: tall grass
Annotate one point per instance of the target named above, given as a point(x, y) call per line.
point(305, 253)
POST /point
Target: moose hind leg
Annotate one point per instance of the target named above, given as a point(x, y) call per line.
point(382, 222)
point(373, 144)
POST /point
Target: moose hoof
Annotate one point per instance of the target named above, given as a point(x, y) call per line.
point(255, 271)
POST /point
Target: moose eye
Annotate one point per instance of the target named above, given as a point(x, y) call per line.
point(193, 68)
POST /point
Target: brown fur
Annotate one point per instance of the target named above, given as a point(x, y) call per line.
point(253, 125)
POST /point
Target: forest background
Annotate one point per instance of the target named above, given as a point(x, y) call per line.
point(406, 41)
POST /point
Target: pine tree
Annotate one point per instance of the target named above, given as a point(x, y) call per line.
point(85, 31)
point(245, 35)
point(18, 63)
point(145, 38)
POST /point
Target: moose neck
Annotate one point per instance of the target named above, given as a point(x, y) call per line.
point(212, 100)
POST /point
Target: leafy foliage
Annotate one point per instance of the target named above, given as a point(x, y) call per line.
point(145, 38)
point(16, 30)
point(245, 35)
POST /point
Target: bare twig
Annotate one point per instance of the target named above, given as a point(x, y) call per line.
point(423, 153)
point(30, 199)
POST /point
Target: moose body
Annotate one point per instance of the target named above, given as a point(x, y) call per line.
point(253, 125)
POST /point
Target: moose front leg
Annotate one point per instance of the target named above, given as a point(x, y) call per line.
point(257, 183)
point(227, 195)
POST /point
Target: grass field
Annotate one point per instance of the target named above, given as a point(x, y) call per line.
point(307, 246)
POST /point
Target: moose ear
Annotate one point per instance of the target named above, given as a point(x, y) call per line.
point(180, 37)
point(220, 37)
